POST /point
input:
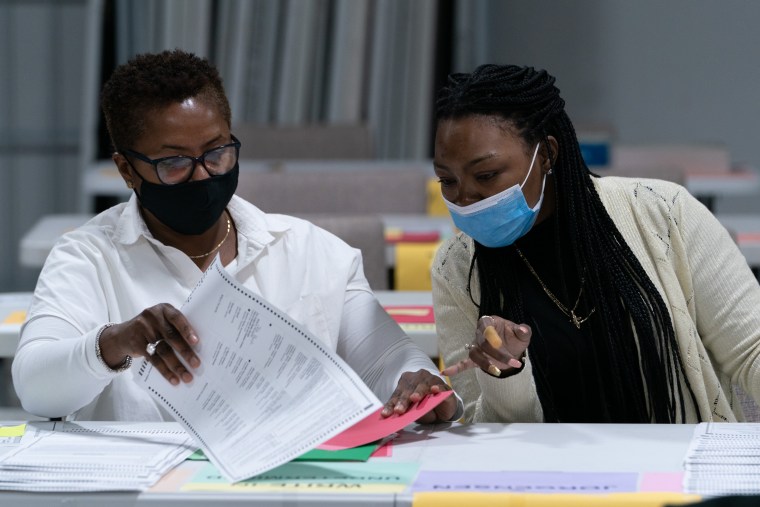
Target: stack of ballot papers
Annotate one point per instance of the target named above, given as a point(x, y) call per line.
point(723, 459)
point(94, 457)
point(268, 389)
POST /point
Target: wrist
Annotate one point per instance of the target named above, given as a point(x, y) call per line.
point(118, 366)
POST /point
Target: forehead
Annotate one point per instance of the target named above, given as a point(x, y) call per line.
point(476, 134)
point(181, 124)
point(192, 111)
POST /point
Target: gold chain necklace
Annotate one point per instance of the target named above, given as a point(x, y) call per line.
point(577, 321)
point(217, 247)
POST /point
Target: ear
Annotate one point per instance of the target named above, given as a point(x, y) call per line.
point(549, 153)
point(125, 170)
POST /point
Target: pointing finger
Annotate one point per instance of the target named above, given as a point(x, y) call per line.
point(459, 367)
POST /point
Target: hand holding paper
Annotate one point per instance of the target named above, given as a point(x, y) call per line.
point(375, 426)
point(412, 388)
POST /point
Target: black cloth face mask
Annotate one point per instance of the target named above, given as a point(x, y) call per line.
point(192, 207)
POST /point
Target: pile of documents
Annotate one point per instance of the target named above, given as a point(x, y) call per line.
point(94, 457)
point(267, 390)
point(723, 459)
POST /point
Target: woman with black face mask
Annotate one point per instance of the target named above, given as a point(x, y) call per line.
point(109, 291)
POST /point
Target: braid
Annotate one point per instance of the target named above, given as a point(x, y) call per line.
point(523, 91)
point(632, 324)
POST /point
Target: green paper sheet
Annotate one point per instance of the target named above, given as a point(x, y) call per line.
point(360, 453)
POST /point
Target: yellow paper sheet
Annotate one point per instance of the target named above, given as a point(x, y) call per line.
point(457, 499)
point(412, 312)
point(435, 205)
point(413, 261)
point(13, 431)
point(16, 317)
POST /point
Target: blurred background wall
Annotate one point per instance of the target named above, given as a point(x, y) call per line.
point(680, 71)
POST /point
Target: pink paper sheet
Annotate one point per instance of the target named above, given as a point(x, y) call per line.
point(384, 451)
point(374, 426)
point(661, 482)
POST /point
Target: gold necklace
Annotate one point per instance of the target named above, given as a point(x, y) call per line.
point(577, 321)
point(217, 247)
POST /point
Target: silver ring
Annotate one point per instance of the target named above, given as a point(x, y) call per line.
point(468, 346)
point(150, 348)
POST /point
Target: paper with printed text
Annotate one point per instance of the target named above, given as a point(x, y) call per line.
point(267, 390)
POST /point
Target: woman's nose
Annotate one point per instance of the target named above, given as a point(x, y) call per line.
point(199, 172)
point(466, 196)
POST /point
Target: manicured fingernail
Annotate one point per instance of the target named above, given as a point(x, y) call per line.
point(195, 362)
point(523, 329)
point(399, 407)
point(187, 377)
point(514, 363)
point(386, 411)
point(174, 381)
point(193, 338)
point(493, 370)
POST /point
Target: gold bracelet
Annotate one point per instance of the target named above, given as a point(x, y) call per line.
point(124, 364)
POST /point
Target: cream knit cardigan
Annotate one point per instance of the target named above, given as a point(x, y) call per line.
point(713, 298)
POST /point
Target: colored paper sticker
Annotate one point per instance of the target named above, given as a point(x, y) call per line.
point(332, 477)
point(16, 317)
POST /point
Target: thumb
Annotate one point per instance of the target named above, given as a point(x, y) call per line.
point(522, 332)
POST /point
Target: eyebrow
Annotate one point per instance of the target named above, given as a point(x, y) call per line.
point(471, 163)
point(207, 144)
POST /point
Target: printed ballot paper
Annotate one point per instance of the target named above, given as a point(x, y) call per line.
point(267, 390)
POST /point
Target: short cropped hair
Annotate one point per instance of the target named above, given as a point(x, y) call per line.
point(152, 81)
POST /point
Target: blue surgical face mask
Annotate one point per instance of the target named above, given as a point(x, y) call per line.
point(501, 219)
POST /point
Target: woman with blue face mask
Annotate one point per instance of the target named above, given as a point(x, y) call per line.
point(569, 297)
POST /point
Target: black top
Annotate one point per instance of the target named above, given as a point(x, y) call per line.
point(570, 365)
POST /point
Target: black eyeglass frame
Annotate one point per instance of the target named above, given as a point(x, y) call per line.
point(202, 160)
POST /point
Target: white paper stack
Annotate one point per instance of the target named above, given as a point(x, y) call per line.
point(267, 390)
point(87, 457)
point(723, 459)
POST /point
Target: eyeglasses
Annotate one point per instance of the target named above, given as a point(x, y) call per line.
point(179, 168)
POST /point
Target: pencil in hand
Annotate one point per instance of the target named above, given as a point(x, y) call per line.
point(494, 340)
point(492, 337)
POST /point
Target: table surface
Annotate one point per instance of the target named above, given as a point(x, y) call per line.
point(10, 304)
point(423, 336)
point(746, 230)
point(739, 181)
point(36, 243)
point(103, 178)
point(740, 222)
point(594, 448)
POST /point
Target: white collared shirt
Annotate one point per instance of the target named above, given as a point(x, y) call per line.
point(111, 269)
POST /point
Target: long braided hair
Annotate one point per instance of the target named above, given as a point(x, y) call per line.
point(632, 322)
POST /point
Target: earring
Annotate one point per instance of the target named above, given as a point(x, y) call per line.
point(550, 171)
point(130, 185)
